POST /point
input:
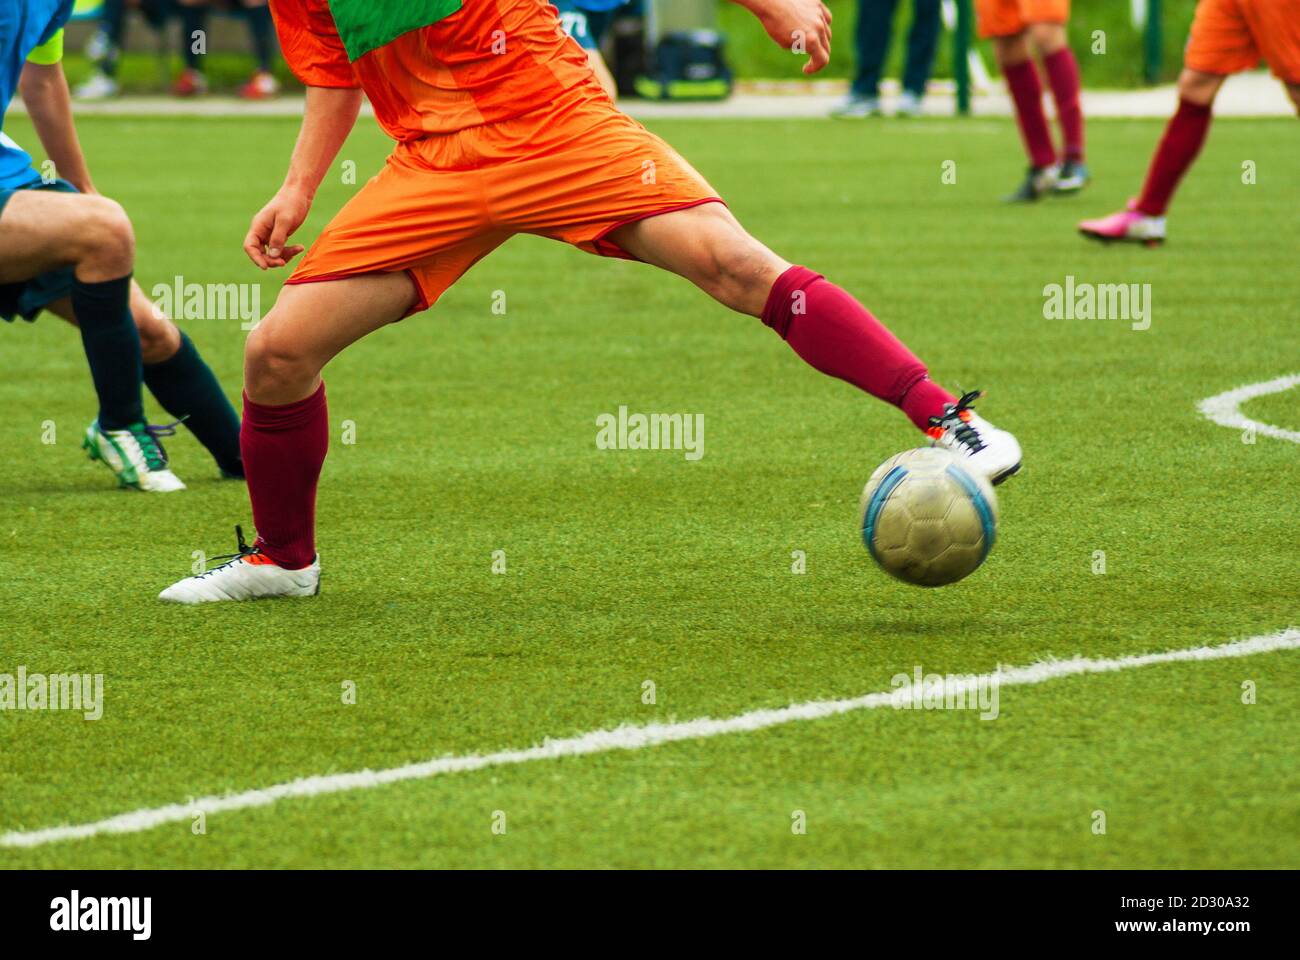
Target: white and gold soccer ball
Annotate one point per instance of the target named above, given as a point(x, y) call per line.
point(926, 519)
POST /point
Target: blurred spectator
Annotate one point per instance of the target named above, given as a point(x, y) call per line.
point(875, 28)
point(105, 46)
point(194, 19)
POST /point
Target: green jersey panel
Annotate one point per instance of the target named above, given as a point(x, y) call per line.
point(366, 25)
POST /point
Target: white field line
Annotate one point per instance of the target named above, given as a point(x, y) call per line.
point(1224, 409)
point(629, 738)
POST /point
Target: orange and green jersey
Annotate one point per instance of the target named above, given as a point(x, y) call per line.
point(433, 66)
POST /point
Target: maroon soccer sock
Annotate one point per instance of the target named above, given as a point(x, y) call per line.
point(1027, 93)
point(834, 333)
point(1177, 150)
point(1063, 77)
point(283, 448)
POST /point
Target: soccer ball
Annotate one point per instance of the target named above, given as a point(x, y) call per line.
point(926, 519)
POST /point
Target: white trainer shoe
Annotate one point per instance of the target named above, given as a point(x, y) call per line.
point(135, 455)
point(993, 453)
point(247, 575)
point(909, 105)
point(100, 86)
point(856, 107)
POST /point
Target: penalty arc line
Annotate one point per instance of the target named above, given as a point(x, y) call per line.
point(1224, 408)
point(630, 738)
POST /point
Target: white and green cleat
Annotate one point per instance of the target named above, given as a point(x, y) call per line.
point(135, 456)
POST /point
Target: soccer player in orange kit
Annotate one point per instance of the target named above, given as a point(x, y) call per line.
point(1018, 29)
point(501, 128)
point(1228, 36)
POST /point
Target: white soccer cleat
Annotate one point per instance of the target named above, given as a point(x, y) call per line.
point(247, 575)
point(135, 455)
point(100, 86)
point(993, 453)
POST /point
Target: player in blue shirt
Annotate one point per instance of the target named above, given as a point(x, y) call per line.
point(586, 21)
point(65, 248)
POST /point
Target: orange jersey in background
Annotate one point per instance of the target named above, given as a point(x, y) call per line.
point(1006, 18)
point(1229, 36)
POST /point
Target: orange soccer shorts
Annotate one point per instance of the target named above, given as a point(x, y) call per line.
point(1006, 18)
point(574, 172)
point(1229, 36)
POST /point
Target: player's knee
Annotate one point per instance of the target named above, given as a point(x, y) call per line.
point(1047, 37)
point(1197, 87)
point(105, 237)
point(273, 364)
point(1010, 51)
point(741, 273)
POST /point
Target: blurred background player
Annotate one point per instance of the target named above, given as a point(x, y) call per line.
point(587, 21)
point(64, 247)
point(105, 46)
point(194, 19)
point(1228, 36)
point(1018, 29)
point(873, 36)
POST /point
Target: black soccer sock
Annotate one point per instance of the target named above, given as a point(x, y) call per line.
point(186, 388)
point(260, 26)
point(112, 348)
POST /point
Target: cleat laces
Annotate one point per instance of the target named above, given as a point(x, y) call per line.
point(956, 418)
point(244, 551)
point(148, 438)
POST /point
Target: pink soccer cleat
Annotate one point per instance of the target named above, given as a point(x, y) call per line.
point(1130, 225)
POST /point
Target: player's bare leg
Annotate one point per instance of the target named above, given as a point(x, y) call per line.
point(41, 230)
point(708, 246)
point(1293, 91)
point(1143, 220)
point(310, 324)
point(826, 326)
point(286, 430)
point(44, 230)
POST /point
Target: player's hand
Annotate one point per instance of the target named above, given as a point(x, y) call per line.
point(803, 26)
point(272, 227)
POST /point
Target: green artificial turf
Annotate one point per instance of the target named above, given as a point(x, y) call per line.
point(1277, 409)
point(475, 432)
